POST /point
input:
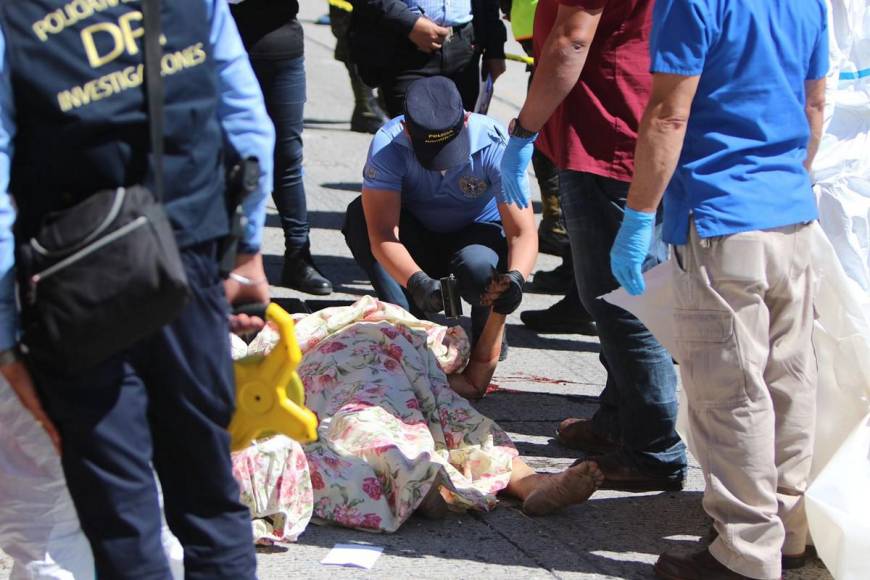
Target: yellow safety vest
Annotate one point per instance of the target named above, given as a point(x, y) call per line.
point(523, 18)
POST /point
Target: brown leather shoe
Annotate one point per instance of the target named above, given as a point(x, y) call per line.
point(699, 565)
point(622, 477)
point(578, 434)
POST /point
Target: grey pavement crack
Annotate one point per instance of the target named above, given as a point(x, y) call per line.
point(481, 518)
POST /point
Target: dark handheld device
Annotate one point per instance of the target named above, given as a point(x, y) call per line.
point(242, 180)
point(450, 296)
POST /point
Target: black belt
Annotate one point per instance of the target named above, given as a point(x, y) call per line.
point(457, 31)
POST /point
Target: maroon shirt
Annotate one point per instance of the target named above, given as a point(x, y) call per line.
point(595, 128)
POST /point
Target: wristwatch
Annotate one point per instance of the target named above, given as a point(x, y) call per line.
point(517, 130)
point(9, 356)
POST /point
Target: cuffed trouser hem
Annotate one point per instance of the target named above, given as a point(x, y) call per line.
point(742, 565)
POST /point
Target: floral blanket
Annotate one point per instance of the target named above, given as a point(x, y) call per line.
point(389, 427)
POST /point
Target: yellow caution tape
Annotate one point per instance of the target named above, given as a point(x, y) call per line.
point(520, 58)
point(348, 7)
point(341, 5)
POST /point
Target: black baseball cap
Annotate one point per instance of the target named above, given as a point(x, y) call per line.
point(435, 120)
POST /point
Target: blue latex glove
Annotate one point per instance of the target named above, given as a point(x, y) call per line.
point(631, 248)
point(514, 171)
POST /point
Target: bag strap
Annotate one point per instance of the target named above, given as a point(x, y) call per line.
point(154, 89)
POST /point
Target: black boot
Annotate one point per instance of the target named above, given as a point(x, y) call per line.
point(557, 281)
point(367, 116)
point(299, 273)
point(565, 316)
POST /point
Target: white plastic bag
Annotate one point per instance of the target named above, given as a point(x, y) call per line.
point(842, 166)
point(39, 527)
point(838, 507)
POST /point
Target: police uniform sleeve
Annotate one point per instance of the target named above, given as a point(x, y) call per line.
point(242, 114)
point(8, 306)
point(385, 164)
point(680, 37)
point(492, 161)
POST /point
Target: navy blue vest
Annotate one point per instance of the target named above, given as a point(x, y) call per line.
point(77, 79)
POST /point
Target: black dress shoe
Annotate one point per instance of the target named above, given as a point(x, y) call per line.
point(299, 273)
point(368, 118)
point(563, 317)
point(557, 281)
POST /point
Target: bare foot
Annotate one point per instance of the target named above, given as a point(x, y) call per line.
point(572, 486)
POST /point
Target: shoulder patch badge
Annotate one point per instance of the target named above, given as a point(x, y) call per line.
point(472, 186)
point(370, 172)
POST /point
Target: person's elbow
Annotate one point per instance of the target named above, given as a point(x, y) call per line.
point(815, 99)
point(573, 40)
point(669, 121)
point(669, 115)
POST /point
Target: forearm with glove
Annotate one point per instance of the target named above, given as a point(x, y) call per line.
point(425, 292)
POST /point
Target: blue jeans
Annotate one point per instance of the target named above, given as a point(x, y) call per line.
point(638, 406)
point(165, 402)
point(283, 84)
point(470, 254)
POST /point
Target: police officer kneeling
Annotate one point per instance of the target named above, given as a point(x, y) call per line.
point(432, 205)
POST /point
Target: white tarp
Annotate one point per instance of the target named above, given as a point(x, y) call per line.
point(39, 527)
point(842, 167)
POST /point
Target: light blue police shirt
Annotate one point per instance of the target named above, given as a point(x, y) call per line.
point(442, 12)
point(448, 202)
point(243, 117)
point(741, 167)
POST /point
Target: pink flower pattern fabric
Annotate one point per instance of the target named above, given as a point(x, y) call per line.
point(275, 484)
point(389, 422)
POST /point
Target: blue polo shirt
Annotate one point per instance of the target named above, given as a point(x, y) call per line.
point(447, 202)
point(741, 167)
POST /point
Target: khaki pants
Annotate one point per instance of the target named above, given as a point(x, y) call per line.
point(743, 323)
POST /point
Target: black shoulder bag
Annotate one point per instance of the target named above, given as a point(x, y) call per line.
point(105, 273)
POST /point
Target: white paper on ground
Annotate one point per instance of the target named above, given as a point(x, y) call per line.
point(837, 508)
point(356, 555)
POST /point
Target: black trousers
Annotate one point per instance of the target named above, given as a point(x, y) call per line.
point(167, 402)
point(471, 254)
point(457, 60)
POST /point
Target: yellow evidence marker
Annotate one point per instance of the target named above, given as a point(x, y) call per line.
point(270, 398)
